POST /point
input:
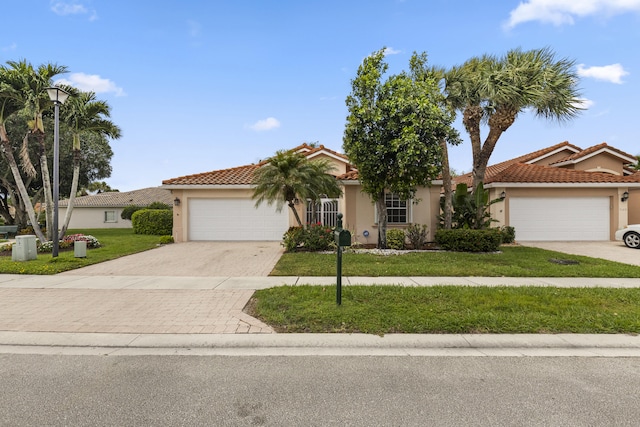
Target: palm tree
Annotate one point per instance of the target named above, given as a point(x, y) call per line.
point(494, 90)
point(12, 101)
point(636, 166)
point(288, 176)
point(83, 113)
point(30, 83)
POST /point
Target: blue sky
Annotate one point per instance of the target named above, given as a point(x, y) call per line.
point(204, 85)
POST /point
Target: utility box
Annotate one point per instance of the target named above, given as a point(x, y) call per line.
point(80, 249)
point(343, 237)
point(24, 249)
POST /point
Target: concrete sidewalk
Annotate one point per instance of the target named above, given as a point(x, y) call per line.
point(169, 315)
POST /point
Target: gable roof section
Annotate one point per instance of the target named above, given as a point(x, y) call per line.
point(595, 150)
point(142, 197)
point(523, 173)
point(243, 175)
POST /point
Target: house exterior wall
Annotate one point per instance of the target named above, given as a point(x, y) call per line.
point(359, 215)
point(340, 167)
point(618, 209)
point(84, 217)
point(633, 204)
point(602, 162)
point(553, 158)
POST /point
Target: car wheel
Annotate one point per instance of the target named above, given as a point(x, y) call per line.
point(632, 240)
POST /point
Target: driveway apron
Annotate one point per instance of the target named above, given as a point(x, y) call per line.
point(612, 251)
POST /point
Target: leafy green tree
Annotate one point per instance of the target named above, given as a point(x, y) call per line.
point(394, 130)
point(495, 90)
point(636, 166)
point(288, 176)
point(84, 114)
point(31, 85)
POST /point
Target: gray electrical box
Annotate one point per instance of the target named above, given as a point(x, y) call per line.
point(24, 249)
point(80, 249)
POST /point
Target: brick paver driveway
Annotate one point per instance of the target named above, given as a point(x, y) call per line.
point(202, 259)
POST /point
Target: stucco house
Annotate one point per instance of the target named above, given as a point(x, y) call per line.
point(103, 210)
point(561, 192)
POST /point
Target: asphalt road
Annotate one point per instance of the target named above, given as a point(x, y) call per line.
point(40, 390)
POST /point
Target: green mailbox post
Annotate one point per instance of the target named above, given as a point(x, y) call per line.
point(343, 238)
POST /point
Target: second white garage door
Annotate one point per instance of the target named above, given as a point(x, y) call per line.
point(551, 218)
point(235, 219)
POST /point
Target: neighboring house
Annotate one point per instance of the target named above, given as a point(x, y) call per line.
point(103, 210)
point(557, 193)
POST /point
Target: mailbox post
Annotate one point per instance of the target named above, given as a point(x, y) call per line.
point(343, 238)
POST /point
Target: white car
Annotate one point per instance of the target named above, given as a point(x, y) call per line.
point(630, 236)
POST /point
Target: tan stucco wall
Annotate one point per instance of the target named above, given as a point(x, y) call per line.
point(618, 209)
point(359, 214)
point(601, 162)
point(554, 158)
point(339, 165)
point(82, 217)
point(634, 205)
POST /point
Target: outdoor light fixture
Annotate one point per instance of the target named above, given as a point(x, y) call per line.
point(625, 196)
point(503, 195)
point(176, 202)
point(58, 96)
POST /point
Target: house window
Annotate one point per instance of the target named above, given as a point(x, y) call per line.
point(110, 216)
point(397, 209)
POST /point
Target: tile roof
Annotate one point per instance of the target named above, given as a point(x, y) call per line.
point(524, 173)
point(241, 175)
point(591, 150)
point(142, 197)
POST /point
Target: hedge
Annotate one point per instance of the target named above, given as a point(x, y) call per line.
point(467, 240)
point(157, 222)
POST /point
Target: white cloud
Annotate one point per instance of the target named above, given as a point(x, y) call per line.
point(611, 73)
point(72, 8)
point(266, 124)
point(560, 12)
point(93, 83)
point(390, 51)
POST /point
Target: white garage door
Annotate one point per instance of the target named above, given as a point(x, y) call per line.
point(551, 218)
point(235, 219)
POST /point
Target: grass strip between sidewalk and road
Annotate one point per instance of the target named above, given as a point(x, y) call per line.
point(116, 242)
point(511, 261)
point(448, 309)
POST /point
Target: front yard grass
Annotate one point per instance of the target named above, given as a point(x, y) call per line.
point(115, 243)
point(512, 261)
point(449, 309)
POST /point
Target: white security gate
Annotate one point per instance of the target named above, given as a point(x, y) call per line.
point(235, 219)
point(326, 211)
point(554, 218)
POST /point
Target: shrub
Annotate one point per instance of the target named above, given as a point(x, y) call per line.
point(67, 242)
point(395, 239)
point(159, 205)
point(508, 234)
point(152, 221)
point(166, 239)
point(417, 235)
point(466, 240)
point(128, 211)
point(316, 237)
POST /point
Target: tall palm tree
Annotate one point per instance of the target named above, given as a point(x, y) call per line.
point(31, 85)
point(10, 104)
point(83, 113)
point(493, 90)
point(288, 176)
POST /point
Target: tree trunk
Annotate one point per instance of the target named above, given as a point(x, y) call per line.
point(8, 153)
point(71, 201)
point(46, 185)
point(446, 185)
point(295, 213)
point(381, 208)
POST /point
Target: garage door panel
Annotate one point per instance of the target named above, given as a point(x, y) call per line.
point(235, 219)
point(548, 218)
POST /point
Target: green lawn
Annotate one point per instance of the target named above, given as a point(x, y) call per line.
point(513, 261)
point(115, 243)
point(449, 309)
